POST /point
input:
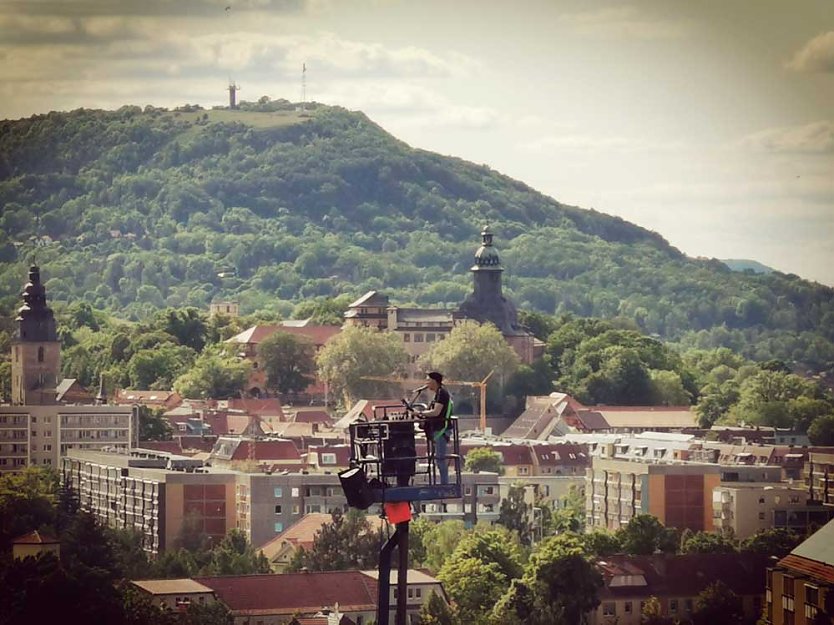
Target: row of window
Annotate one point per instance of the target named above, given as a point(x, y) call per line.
point(419, 337)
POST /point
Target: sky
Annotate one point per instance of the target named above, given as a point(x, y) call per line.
point(709, 122)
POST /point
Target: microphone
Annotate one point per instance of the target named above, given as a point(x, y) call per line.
point(421, 389)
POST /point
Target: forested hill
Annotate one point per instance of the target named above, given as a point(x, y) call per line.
point(133, 210)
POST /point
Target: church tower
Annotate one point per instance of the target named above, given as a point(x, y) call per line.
point(36, 350)
point(487, 301)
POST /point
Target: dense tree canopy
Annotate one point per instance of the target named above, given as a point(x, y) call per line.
point(135, 211)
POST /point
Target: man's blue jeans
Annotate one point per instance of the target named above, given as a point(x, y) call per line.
point(440, 445)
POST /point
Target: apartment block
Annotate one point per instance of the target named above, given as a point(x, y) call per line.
point(800, 588)
point(746, 508)
point(41, 435)
point(159, 495)
point(679, 495)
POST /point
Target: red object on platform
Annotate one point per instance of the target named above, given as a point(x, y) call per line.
point(398, 512)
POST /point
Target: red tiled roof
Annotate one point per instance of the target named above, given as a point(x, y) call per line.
point(559, 454)
point(319, 335)
point(171, 447)
point(203, 443)
point(268, 450)
point(817, 570)
point(687, 575)
point(270, 407)
point(511, 455)
point(222, 423)
point(294, 592)
point(592, 420)
point(313, 416)
point(35, 538)
point(342, 453)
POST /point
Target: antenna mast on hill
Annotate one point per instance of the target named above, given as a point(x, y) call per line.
point(303, 86)
point(233, 89)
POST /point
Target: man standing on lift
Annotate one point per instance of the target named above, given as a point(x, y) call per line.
point(438, 424)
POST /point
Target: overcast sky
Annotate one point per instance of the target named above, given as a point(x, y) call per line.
point(710, 122)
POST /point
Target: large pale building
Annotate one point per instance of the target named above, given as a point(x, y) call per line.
point(420, 328)
point(159, 494)
point(679, 495)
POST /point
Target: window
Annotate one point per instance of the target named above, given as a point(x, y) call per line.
point(279, 527)
point(296, 509)
point(295, 492)
point(761, 516)
point(523, 470)
point(418, 592)
point(406, 337)
point(430, 337)
point(279, 492)
point(673, 606)
point(418, 338)
point(688, 605)
point(627, 607)
point(311, 507)
point(328, 458)
point(609, 608)
point(761, 499)
point(812, 594)
point(40, 354)
point(411, 593)
point(279, 509)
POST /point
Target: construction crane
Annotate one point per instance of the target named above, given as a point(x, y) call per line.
point(481, 386)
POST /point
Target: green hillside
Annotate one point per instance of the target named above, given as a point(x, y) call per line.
point(135, 210)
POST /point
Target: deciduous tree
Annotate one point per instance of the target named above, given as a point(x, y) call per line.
point(289, 362)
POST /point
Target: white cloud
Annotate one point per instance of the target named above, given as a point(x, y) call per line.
point(623, 23)
point(815, 56)
point(408, 104)
point(815, 138)
point(589, 143)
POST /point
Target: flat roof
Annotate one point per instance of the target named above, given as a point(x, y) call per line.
point(172, 586)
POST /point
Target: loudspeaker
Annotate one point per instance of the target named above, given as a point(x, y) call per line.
point(399, 452)
point(357, 491)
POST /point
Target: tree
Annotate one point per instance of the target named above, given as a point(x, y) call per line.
point(355, 353)
point(470, 352)
point(515, 513)
point(289, 362)
point(643, 535)
point(234, 555)
point(27, 502)
point(441, 541)
point(495, 545)
point(569, 516)
point(215, 375)
point(346, 542)
point(707, 542)
point(717, 604)
point(473, 585)
point(188, 326)
point(601, 543)
point(560, 585)
point(771, 542)
point(483, 459)
point(153, 426)
point(821, 431)
point(436, 612)
point(652, 613)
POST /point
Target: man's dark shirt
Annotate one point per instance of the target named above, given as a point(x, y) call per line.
point(436, 424)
